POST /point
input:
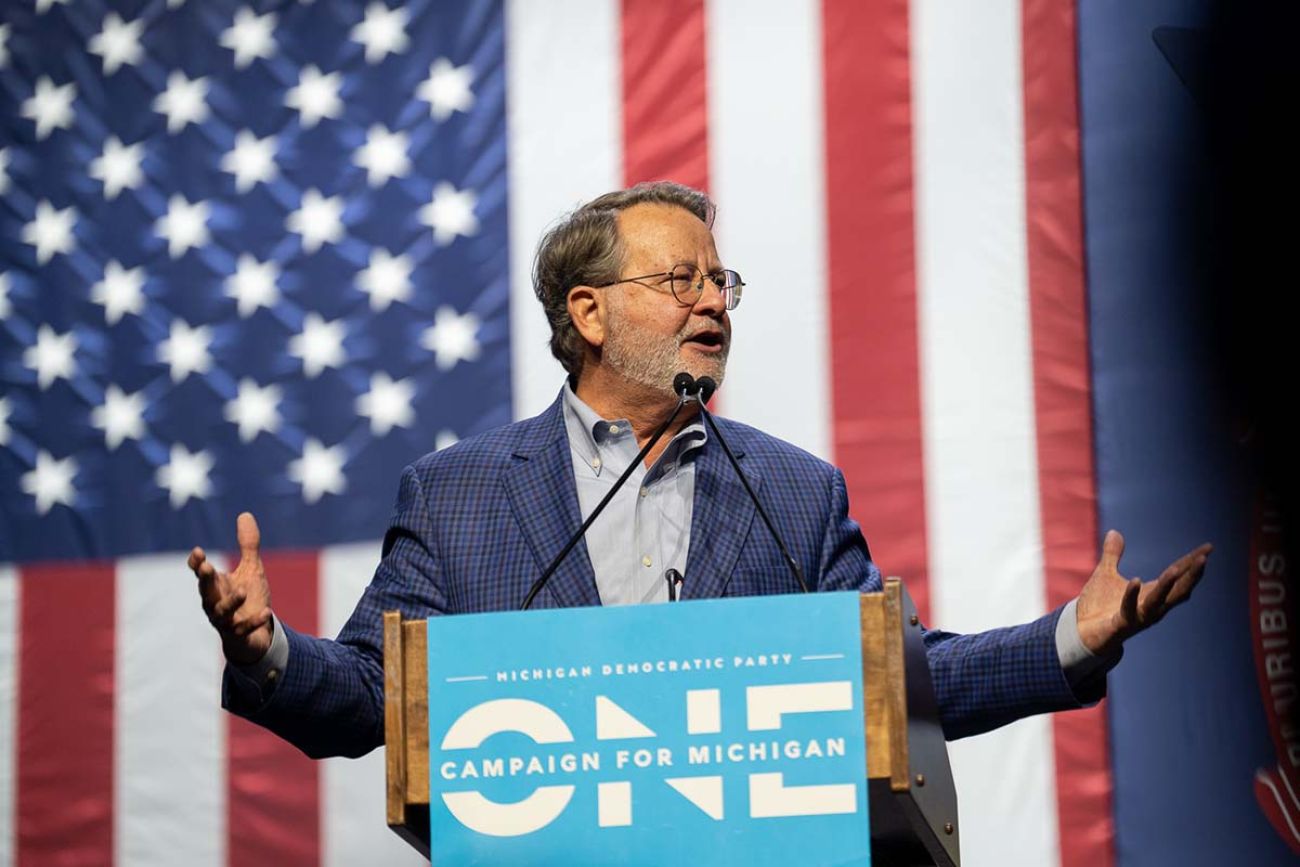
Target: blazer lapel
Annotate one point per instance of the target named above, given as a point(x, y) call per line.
point(720, 520)
point(545, 503)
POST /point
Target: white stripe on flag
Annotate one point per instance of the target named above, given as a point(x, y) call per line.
point(169, 767)
point(977, 388)
point(353, 824)
point(9, 590)
point(767, 173)
point(565, 146)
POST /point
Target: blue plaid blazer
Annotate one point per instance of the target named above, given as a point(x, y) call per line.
point(476, 523)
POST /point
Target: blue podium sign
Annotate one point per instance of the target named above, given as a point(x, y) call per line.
point(718, 731)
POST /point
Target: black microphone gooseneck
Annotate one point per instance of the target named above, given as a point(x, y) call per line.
point(674, 579)
point(707, 386)
point(684, 385)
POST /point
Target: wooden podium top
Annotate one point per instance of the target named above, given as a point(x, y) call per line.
point(911, 795)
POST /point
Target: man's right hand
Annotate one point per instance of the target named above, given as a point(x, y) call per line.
point(238, 603)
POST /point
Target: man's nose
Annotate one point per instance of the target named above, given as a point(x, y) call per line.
point(711, 301)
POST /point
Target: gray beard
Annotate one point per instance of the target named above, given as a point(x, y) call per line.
point(652, 361)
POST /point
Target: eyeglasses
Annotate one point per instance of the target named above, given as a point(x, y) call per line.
point(686, 283)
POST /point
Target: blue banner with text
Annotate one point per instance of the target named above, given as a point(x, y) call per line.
point(719, 731)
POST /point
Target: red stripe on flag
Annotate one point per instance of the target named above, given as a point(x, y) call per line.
point(274, 792)
point(1063, 398)
point(665, 92)
point(65, 714)
point(875, 359)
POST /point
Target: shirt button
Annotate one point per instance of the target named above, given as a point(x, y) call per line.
point(595, 463)
point(644, 491)
point(645, 561)
point(614, 428)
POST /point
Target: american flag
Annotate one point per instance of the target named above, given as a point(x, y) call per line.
point(261, 255)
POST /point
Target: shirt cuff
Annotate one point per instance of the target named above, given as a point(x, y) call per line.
point(1077, 661)
point(268, 670)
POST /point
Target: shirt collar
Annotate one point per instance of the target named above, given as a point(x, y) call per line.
point(587, 430)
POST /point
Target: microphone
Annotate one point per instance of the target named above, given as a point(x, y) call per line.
point(684, 385)
point(706, 387)
point(674, 579)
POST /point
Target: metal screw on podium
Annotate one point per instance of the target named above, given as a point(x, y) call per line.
point(920, 779)
point(947, 827)
point(914, 620)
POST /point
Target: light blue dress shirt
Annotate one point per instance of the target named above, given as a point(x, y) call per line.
point(646, 529)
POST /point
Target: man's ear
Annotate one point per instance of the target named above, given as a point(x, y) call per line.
point(587, 310)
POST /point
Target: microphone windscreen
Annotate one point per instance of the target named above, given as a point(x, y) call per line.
point(684, 383)
point(707, 386)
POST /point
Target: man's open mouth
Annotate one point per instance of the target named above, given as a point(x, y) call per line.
point(707, 339)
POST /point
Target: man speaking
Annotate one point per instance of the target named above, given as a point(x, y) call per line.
point(636, 293)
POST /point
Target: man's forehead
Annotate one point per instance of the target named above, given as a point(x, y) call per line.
point(657, 229)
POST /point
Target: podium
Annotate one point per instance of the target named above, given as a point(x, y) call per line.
point(911, 798)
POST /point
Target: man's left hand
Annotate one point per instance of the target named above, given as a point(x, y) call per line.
point(1112, 608)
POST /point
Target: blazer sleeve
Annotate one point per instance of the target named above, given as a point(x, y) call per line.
point(982, 680)
point(330, 699)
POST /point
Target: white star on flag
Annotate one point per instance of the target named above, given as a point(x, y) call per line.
point(4, 421)
point(183, 102)
point(319, 345)
point(4, 169)
point(185, 475)
point(4, 295)
point(319, 470)
point(50, 231)
point(447, 88)
point(184, 226)
point(4, 45)
point(319, 220)
point(386, 279)
point(186, 350)
point(50, 481)
point(120, 292)
point(118, 42)
point(383, 156)
point(444, 440)
point(50, 107)
point(118, 167)
point(52, 356)
point(382, 32)
point(387, 404)
point(450, 213)
point(250, 36)
point(315, 96)
point(452, 337)
point(120, 416)
point(253, 284)
point(251, 160)
point(254, 409)
point(43, 6)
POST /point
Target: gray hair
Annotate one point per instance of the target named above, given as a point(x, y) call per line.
point(585, 249)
